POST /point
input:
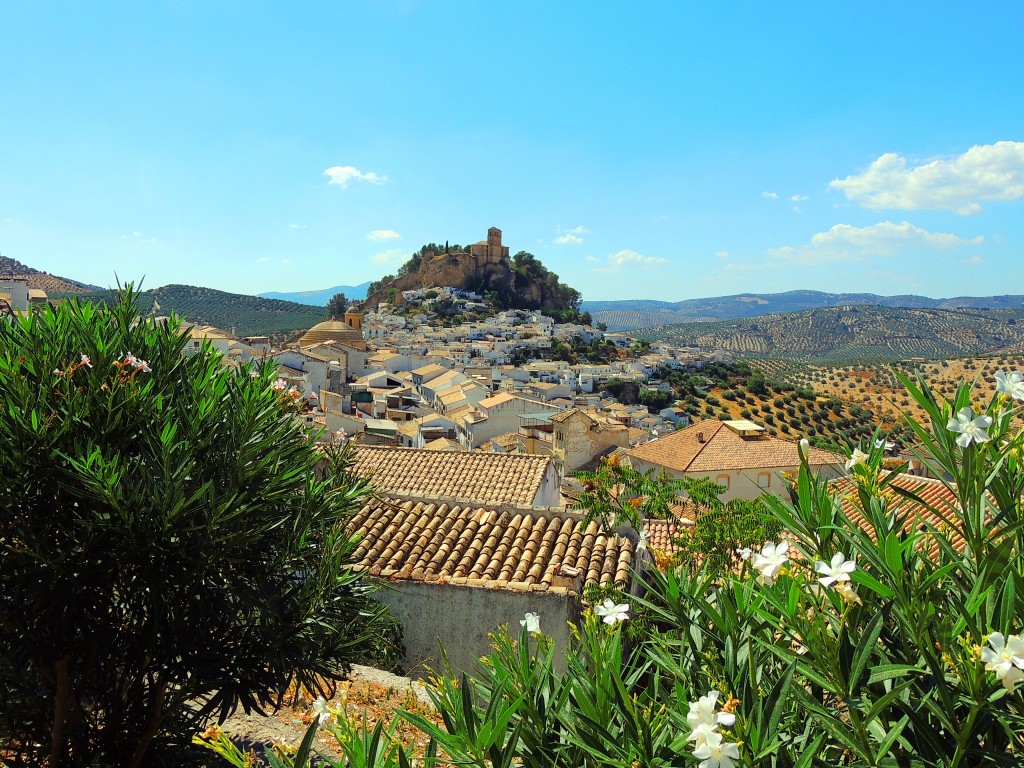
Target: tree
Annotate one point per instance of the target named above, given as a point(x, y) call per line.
point(337, 305)
point(655, 399)
point(164, 539)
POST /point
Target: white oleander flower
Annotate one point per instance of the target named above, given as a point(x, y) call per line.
point(715, 753)
point(85, 360)
point(971, 428)
point(322, 710)
point(531, 621)
point(1005, 657)
point(612, 613)
point(838, 570)
point(744, 553)
point(857, 457)
point(702, 714)
point(1011, 384)
point(770, 560)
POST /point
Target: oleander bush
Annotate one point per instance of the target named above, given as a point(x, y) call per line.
point(167, 552)
point(893, 640)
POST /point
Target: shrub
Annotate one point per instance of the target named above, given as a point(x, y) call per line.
point(164, 540)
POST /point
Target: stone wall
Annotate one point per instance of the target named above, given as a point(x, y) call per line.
point(459, 618)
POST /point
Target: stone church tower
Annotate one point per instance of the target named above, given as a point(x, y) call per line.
point(489, 251)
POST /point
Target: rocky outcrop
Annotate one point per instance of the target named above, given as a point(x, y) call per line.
point(478, 274)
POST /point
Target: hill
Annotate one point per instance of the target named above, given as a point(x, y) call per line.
point(520, 282)
point(855, 334)
point(319, 298)
point(43, 281)
point(246, 315)
point(644, 313)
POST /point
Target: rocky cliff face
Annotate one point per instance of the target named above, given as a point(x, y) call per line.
point(461, 270)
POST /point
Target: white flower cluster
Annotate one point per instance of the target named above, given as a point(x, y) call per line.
point(836, 573)
point(1005, 657)
point(709, 745)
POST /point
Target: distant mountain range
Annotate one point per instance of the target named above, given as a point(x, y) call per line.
point(321, 297)
point(634, 314)
point(848, 334)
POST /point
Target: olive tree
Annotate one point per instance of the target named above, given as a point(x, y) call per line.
point(167, 551)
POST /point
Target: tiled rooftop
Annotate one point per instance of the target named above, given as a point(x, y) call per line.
point(930, 491)
point(473, 477)
point(520, 549)
point(723, 449)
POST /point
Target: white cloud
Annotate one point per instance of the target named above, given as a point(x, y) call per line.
point(264, 260)
point(770, 195)
point(137, 237)
point(286, 261)
point(721, 254)
point(343, 174)
point(628, 259)
point(973, 260)
point(984, 172)
point(593, 259)
point(389, 256)
point(798, 198)
point(383, 234)
point(845, 242)
point(570, 236)
point(296, 226)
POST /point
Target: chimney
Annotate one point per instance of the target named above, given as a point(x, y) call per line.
point(700, 437)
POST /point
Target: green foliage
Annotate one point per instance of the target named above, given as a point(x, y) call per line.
point(528, 270)
point(655, 399)
point(337, 305)
point(164, 539)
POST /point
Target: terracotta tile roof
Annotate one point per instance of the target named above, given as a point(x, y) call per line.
point(723, 449)
point(520, 549)
point(659, 537)
point(911, 514)
point(474, 477)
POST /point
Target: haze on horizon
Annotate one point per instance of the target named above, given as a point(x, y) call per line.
point(661, 151)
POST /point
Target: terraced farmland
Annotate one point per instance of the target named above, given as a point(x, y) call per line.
point(875, 385)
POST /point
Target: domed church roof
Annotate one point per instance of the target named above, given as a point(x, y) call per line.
point(331, 330)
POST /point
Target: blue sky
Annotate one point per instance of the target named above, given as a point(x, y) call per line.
point(640, 150)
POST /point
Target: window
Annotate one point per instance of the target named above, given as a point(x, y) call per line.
point(723, 480)
point(764, 480)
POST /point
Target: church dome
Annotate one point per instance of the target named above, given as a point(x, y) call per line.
point(331, 330)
